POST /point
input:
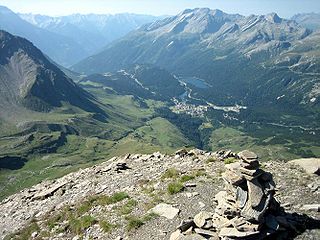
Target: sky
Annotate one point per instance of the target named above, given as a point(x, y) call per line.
point(285, 8)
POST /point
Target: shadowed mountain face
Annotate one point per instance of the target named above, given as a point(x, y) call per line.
point(29, 80)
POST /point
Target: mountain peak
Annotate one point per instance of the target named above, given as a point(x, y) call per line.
point(197, 20)
point(203, 11)
point(273, 17)
point(217, 13)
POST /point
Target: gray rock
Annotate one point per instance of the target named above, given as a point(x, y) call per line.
point(233, 177)
point(241, 197)
point(176, 235)
point(185, 225)
point(165, 210)
point(256, 214)
point(234, 233)
point(254, 164)
point(255, 192)
point(192, 237)
point(206, 232)
point(48, 192)
point(209, 224)
point(247, 155)
point(201, 218)
point(311, 207)
point(191, 194)
point(310, 165)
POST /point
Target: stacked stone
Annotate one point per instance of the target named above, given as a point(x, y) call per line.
point(246, 209)
point(248, 196)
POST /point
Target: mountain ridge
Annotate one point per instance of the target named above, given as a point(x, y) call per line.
point(33, 81)
point(91, 31)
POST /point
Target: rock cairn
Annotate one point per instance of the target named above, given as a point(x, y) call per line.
point(246, 208)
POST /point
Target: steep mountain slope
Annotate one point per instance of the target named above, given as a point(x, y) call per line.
point(28, 79)
point(91, 31)
point(61, 49)
point(308, 20)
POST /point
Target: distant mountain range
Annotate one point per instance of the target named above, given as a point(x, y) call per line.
point(259, 61)
point(91, 31)
point(61, 49)
point(309, 20)
point(70, 39)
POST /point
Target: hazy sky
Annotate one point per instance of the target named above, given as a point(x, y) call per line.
point(285, 8)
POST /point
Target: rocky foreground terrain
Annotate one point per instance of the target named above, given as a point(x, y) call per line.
point(149, 196)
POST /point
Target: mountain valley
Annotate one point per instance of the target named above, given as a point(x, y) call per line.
point(83, 92)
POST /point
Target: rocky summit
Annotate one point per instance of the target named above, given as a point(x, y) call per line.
point(191, 194)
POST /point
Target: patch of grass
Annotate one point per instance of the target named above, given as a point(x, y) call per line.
point(210, 160)
point(230, 160)
point(171, 173)
point(148, 190)
point(116, 197)
point(106, 226)
point(78, 225)
point(134, 223)
point(53, 221)
point(199, 173)
point(84, 208)
point(174, 187)
point(150, 216)
point(128, 207)
point(77, 222)
point(186, 178)
point(101, 200)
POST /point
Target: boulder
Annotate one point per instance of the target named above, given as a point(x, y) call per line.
point(165, 210)
point(310, 165)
